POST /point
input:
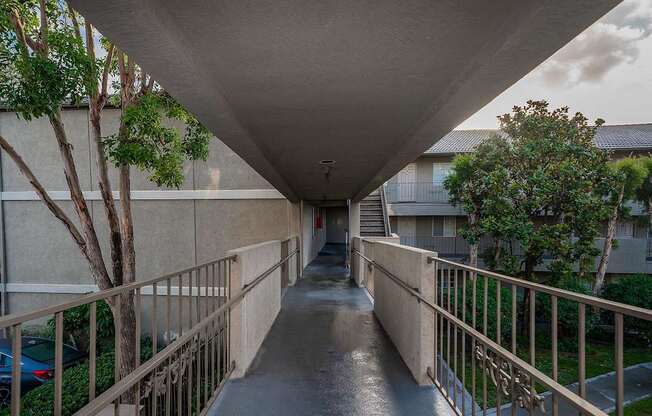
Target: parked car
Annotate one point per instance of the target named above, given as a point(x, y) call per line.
point(37, 364)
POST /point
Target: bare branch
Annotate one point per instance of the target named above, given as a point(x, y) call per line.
point(40, 190)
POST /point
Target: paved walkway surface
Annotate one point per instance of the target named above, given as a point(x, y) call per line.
point(326, 354)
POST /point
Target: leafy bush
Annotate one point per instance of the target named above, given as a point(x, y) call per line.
point(505, 307)
point(633, 290)
point(76, 326)
point(40, 401)
point(568, 313)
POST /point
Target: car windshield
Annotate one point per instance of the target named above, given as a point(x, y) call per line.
point(43, 350)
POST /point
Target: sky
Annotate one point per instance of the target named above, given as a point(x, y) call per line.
point(605, 72)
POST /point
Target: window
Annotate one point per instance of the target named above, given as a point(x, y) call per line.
point(444, 227)
point(5, 360)
point(439, 172)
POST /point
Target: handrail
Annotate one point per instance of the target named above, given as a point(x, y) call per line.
point(576, 401)
point(114, 392)
point(609, 305)
point(383, 203)
point(13, 319)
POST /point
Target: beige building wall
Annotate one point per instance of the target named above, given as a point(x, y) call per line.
point(223, 204)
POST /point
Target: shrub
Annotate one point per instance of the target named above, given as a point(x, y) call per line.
point(633, 290)
point(40, 400)
point(505, 307)
point(568, 313)
point(76, 326)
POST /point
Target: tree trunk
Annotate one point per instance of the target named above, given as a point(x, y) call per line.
point(497, 251)
point(608, 245)
point(93, 251)
point(473, 248)
point(115, 242)
point(473, 255)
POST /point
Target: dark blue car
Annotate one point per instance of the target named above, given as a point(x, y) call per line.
point(37, 364)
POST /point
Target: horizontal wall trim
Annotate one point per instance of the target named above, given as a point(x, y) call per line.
point(156, 195)
point(82, 289)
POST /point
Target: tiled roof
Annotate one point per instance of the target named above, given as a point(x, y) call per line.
point(620, 137)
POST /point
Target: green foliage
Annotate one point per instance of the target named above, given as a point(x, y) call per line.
point(40, 400)
point(542, 189)
point(568, 312)
point(154, 147)
point(635, 290)
point(492, 302)
point(36, 83)
point(76, 326)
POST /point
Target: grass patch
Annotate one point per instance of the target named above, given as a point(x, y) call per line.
point(640, 408)
point(599, 360)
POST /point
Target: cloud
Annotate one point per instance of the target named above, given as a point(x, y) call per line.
point(612, 41)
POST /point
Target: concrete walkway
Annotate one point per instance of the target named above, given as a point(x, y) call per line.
point(327, 355)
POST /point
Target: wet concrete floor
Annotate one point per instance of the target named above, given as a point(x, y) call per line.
point(326, 354)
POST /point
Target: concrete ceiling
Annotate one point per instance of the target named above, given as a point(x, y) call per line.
point(369, 84)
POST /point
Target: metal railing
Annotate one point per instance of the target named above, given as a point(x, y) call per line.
point(444, 246)
point(188, 311)
point(416, 192)
point(476, 353)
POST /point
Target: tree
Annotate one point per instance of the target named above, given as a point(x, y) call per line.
point(48, 60)
point(644, 192)
point(559, 176)
point(476, 183)
point(627, 177)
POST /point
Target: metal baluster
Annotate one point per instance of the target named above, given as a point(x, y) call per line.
point(448, 334)
point(92, 350)
point(168, 312)
point(58, 362)
point(180, 374)
point(154, 319)
point(189, 300)
point(198, 302)
point(498, 312)
point(16, 351)
point(137, 305)
point(180, 306)
point(473, 343)
point(117, 301)
point(206, 355)
point(464, 274)
point(555, 363)
point(168, 388)
point(514, 324)
point(436, 321)
point(485, 332)
point(582, 349)
point(455, 339)
point(533, 303)
point(189, 380)
point(620, 375)
point(199, 337)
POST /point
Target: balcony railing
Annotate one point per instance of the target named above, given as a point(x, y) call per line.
point(487, 329)
point(423, 192)
point(190, 310)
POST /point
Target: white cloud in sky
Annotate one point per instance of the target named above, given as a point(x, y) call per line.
point(609, 63)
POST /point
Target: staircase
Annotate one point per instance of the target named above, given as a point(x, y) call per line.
point(372, 216)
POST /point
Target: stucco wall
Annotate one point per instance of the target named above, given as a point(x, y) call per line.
point(225, 204)
point(253, 316)
point(409, 323)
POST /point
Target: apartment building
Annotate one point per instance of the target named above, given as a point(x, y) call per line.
point(421, 214)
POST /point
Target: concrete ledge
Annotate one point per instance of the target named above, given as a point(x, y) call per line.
point(409, 323)
point(253, 316)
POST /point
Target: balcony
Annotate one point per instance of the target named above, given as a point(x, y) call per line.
point(416, 192)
